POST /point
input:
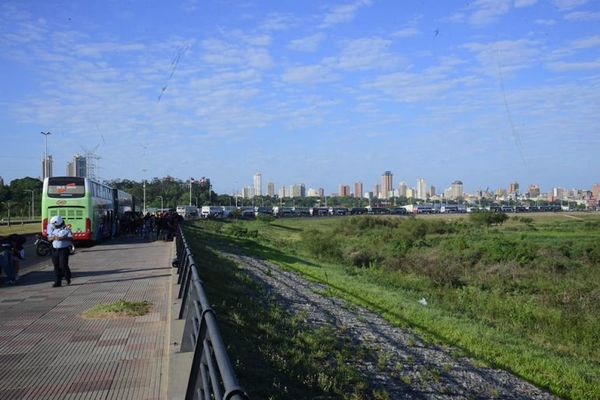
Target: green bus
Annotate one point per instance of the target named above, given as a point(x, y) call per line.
point(90, 209)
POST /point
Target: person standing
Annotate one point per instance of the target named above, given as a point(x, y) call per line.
point(61, 237)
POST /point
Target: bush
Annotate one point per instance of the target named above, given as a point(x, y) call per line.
point(359, 257)
point(321, 245)
point(488, 218)
point(266, 218)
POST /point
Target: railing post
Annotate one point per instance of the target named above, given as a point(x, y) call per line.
point(211, 367)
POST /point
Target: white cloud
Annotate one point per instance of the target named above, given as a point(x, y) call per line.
point(278, 22)
point(583, 16)
point(367, 53)
point(456, 18)
point(568, 4)
point(220, 52)
point(343, 13)
point(524, 3)
point(585, 43)
point(309, 74)
point(509, 55)
point(564, 66)
point(308, 43)
point(405, 32)
point(488, 11)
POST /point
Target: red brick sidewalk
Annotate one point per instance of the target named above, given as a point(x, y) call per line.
point(48, 351)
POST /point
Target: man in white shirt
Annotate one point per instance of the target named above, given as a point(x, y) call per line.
point(61, 237)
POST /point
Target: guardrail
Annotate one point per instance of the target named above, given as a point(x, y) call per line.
point(211, 375)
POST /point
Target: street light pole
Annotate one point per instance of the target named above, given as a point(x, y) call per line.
point(45, 169)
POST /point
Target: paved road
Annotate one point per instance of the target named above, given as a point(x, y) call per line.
point(48, 351)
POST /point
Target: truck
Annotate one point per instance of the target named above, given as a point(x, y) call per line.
point(211, 212)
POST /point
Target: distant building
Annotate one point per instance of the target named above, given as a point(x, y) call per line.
point(47, 167)
point(558, 193)
point(282, 193)
point(271, 189)
point(596, 190)
point(456, 190)
point(386, 184)
point(432, 191)
point(248, 192)
point(312, 192)
point(321, 192)
point(258, 184)
point(402, 189)
point(345, 190)
point(1, 181)
point(533, 191)
point(298, 190)
point(410, 193)
point(358, 189)
point(513, 188)
point(421, 189)
point(500, 192)
point(377, 191)
point(77, 167)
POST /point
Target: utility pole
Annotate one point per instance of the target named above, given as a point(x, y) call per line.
point(191, 181)
point(45, 169)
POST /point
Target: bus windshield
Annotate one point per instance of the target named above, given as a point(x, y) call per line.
point(70, 187)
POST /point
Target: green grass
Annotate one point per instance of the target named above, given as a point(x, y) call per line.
point(522, 296)
point(24, 229)
point(276, 355)
point(118, 309)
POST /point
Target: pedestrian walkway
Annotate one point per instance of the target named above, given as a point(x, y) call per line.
point(48, 351)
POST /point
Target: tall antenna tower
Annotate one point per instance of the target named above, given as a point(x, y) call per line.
point(91, 158)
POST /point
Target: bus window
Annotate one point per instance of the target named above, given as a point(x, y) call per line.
point(66, 187)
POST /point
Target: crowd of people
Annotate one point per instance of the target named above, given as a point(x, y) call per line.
point(158, 226)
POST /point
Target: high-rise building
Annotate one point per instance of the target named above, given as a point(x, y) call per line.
point(345, 190)
point(513, 188)
point(402, 189)
point(533, 191)
point(386, 184)
point(432, 191)
point(282, 192)
point(298, 190)
point(47, 167)
point(321, 192)
point(558, 193)
point(410, 193)
point(456, 190)
point(377, 191)
point(248, 192)
point(421, 189)
point(77, 167)
point(596, 190)
point(271, 189)
point(312, 192)
point(358, 190)
point(258, 184)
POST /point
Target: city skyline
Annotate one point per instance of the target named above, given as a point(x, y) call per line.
point(320, 92)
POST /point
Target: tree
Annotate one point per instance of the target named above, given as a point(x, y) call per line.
point(488, 218)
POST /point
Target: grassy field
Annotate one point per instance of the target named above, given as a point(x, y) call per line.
point(524, 296)
point(22, 229)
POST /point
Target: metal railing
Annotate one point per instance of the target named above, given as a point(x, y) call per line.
point(211, 375)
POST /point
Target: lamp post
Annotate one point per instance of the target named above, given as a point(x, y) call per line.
point(144, 186)
point(45, 171)
point(32, 209)
point(161, 203)
point(191, 181)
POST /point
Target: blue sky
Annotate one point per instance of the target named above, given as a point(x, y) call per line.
point(324, 93)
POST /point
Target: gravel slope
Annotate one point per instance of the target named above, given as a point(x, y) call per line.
point(408, 368)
